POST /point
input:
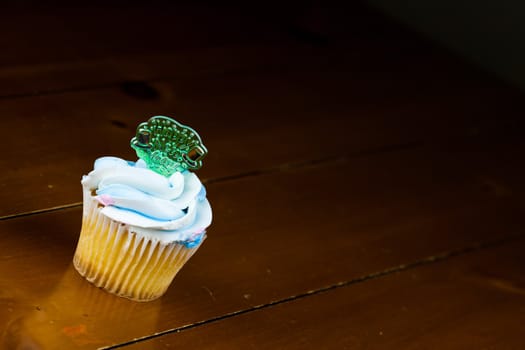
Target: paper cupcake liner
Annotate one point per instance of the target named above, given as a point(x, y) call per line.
point(125, 263)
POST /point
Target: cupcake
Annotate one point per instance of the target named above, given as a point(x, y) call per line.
point(143, 220)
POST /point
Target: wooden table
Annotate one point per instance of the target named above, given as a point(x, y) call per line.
point(367, 185)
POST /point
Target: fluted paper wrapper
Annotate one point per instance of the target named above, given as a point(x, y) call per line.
point(124, 262)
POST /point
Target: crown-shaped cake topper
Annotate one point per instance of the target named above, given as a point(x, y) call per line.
point(168, 146)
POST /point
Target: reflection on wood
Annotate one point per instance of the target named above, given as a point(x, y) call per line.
point(69, 317)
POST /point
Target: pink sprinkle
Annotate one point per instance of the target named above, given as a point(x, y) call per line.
point(195, 234)
point(105, 200)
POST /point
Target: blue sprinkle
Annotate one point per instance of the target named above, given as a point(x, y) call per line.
point(202, 194)
point(195, 242)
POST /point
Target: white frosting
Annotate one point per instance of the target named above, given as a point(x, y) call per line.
point(167, 209)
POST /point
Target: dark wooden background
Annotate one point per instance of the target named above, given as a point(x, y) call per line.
point(366, 183)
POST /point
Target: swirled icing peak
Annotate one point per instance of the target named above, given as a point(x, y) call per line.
point(171, 208)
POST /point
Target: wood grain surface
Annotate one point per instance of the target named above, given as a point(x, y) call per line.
point(366, 184)
point(80, 32)
point(289, 118)
point(368, 216)
point(474, 300)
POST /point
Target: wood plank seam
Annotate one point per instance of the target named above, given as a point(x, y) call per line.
point(429, 260)
point(41, 211)
point(275, 169)
point(57, 91)
point(321, 161)
point(209, 74)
